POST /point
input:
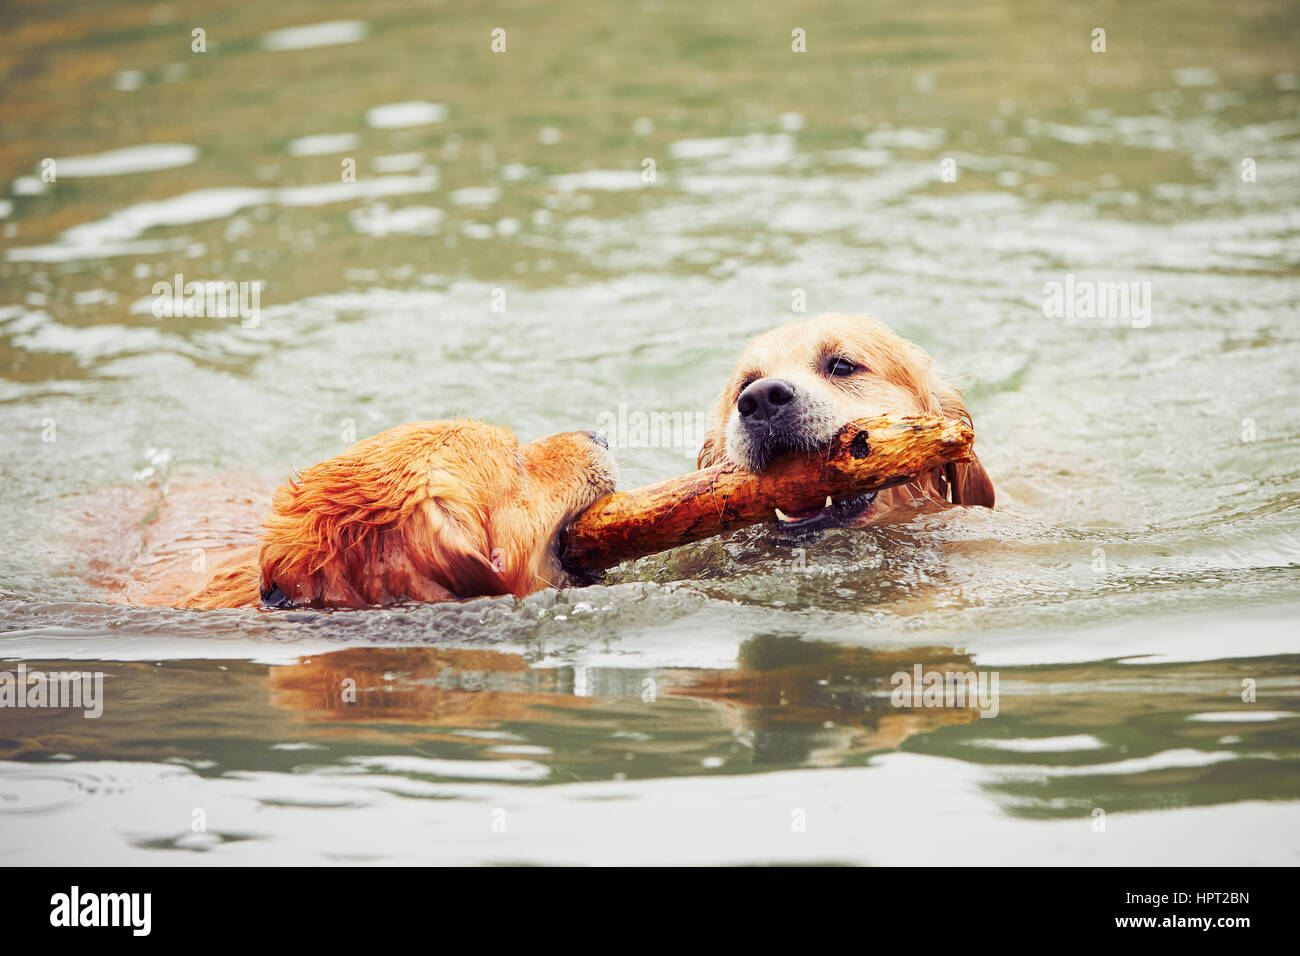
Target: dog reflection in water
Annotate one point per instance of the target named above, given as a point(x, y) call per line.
point(790, 702)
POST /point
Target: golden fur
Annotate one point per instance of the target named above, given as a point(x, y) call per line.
point(430, 511)
point(895, 376)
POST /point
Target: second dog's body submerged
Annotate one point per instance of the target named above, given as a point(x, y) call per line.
point(430, 511)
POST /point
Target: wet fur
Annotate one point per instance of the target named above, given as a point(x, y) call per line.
point(898, 377)
point(430, 511)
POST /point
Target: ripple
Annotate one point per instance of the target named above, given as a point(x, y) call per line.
point(1180, 759)
point(380, 220)
point(1242, 716)
point(129, 159)
point(322, 144)
point(403, 115)
point(603, 180)
point(45, 788)
point(398, 163)
point(1032, 745)
point(516, 771)
point(329, 33)
point(475, 196)
point(90, 240)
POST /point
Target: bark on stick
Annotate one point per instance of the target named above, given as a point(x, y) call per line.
point(866, 456)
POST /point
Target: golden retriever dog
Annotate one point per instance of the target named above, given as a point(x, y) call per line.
point(430, 511)
point(796, 386)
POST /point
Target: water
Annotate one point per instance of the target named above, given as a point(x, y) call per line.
point(727, 702)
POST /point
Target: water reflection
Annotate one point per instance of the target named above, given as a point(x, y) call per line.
point(1141, 567)
point(1057, 745)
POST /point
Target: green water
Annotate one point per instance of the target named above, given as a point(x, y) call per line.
point(730, 701)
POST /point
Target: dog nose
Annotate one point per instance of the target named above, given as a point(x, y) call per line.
point(599, 439)
point(764, 399)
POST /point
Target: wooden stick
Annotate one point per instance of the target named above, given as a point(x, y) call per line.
point(865, 456)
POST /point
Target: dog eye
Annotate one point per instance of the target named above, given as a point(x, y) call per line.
point(841, 367)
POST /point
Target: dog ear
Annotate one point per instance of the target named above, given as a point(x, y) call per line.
point(377, 526)
point(454, 558)
point(714, 448)
point(428, 556)
point(968, 482)
point(709, 451)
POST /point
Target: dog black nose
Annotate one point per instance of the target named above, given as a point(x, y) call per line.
point(599, 439)
point(764, 399)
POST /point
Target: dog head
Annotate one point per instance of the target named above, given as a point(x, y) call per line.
point(431, 511)
point(796, 386)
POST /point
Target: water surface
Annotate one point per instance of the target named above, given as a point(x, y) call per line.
point(501, 255)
